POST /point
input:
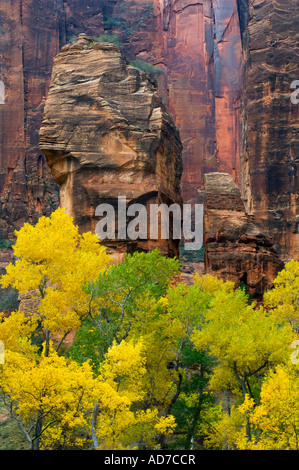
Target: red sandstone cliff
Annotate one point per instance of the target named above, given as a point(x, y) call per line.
point(236, 249)
point(270, 138)
point(30, 37)
point(198, 46)
point(106, 134)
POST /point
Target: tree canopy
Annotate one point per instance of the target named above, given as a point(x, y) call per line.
point(153, 362)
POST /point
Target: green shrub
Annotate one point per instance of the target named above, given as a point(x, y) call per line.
point(108, 38)
point(112, 22)
point(4, 244)
point(147, 68)
point(71, 39)
point(190, 256)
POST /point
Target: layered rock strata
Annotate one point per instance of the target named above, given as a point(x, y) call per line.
point(106, 134)
point(202, 48)
point(235, 248)
point(196, 45)
point(31, 34)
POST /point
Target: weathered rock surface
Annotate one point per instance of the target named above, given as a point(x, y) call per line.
point(107, 134)
point(235, 248)
point(203, 60)
point(198, 46)
point(201, 79)
point(31, 34)
point(270, 138)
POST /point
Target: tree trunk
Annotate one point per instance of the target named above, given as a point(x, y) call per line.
point(38, 432)
point(47, 345)
point(93, 426)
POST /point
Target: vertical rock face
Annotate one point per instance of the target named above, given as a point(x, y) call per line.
point(31, 34)
point(106, 134)
point(225, 65)
point(198, 46)
point(270, 140)
point(236, 249)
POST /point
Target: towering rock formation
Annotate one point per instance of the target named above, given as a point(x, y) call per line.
point(106, 134)
point(227, 66)
point(270, 138)
point(236, 249)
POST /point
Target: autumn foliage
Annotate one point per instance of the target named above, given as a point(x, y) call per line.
point(154, 363)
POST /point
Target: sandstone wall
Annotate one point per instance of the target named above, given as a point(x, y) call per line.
point(196, 44)
point(107, 134)
point(270, 139)
point(31, 34)
point(236, 249)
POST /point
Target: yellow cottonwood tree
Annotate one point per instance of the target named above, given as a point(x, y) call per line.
point(119, 419)
point(245, 340)
point(48, 396)
point(16, 331)
point(212, 284)
point(53, 262)
point(222, 430)
point(276, 418)
point(59, 403)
